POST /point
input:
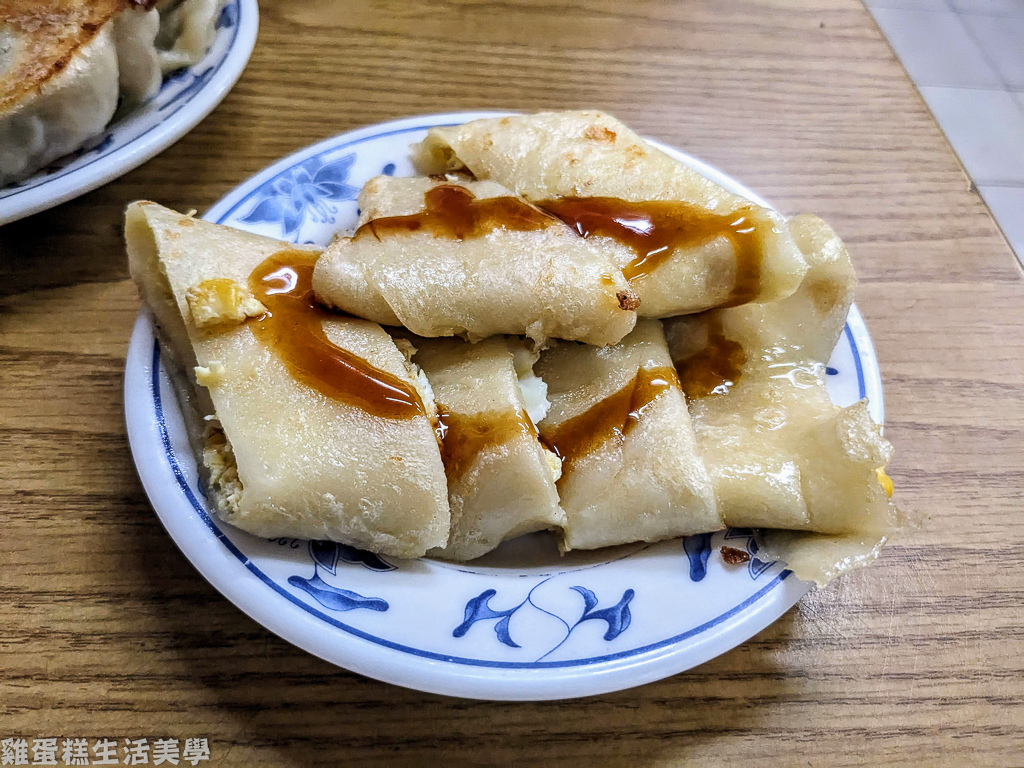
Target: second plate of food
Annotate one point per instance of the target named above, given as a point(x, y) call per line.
point(137, 131)
point(522, 623)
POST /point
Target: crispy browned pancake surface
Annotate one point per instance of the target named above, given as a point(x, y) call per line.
point(39, 37)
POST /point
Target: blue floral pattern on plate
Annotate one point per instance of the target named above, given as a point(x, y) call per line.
point(326, 555)
point(310, 189)
point(755, 567)
point(617, 617)
point(698, 549)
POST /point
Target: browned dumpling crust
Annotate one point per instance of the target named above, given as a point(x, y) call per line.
point(47, 35)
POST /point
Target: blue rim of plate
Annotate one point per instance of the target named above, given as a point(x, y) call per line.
point(868, 379)
point(117, 150)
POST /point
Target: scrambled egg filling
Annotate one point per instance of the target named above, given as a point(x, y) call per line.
point(885, 481)
point(534, 389)
point(221, 301)
point(219, 459)
point(210, 375)
point(554, 464)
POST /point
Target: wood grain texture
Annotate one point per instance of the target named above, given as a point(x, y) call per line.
point(105, 628)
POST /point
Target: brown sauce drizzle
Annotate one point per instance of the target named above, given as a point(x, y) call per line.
point(462, 437)
point(454, 212)
point(655, 229)
point(292, 328)
point(612, 418)
point(713, 370)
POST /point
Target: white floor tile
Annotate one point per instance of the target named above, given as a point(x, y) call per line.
point(993, 7)
point(1002, 40)
point(1007, 206)
point(986, 128)
point(935, 48)
point(913, 5)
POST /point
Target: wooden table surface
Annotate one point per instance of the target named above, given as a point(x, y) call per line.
point(107, 631)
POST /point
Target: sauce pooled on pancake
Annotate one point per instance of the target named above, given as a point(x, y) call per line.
point(611, 418)
point(655, 229)
point(293, 329)
point(462, 437)
point(455, 213)
point(715, 368)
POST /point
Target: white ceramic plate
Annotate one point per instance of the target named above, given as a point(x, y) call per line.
point(521, 623)
point(185, 98)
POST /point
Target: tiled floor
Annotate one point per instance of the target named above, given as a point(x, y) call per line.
point(967, 59)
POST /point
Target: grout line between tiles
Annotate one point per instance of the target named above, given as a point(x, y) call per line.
point(984, 54)
point(1002, 184)
point(959, 12)
point(993, 89)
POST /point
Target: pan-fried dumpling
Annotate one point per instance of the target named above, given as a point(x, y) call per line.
point(471, 259)
point(684, 243)
point(779, 453)
point(154, 41)
point(187, 30)
point(501, 481)
point(63, 110)
point(318, 426)
point(138, 61)
point(65, 63)
point(618, 420)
